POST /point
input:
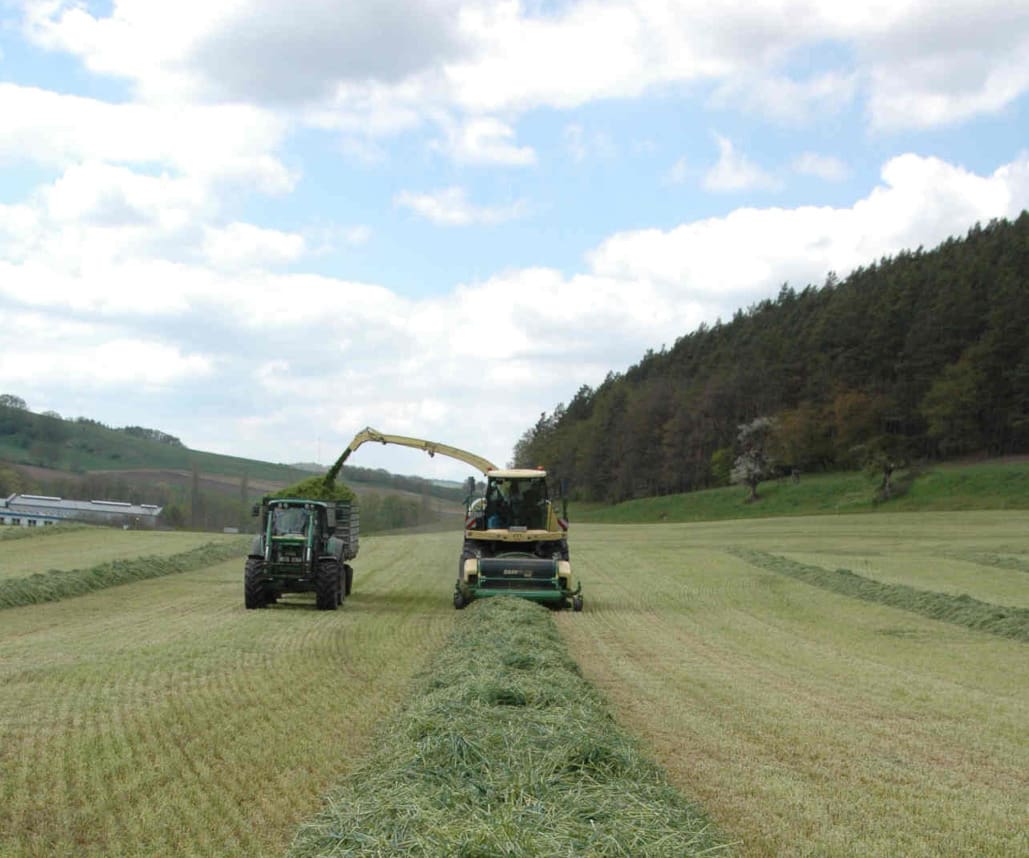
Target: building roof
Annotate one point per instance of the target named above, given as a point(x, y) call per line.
point(47, 505)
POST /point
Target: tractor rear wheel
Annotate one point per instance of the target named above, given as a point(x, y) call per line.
point(326, 585)
point(253, 588)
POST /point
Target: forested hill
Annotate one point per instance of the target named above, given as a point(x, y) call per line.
point(920, 356)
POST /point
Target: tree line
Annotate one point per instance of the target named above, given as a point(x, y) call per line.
point(921, 356)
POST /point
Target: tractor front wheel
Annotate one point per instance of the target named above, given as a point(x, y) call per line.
point(253, 588)
point(348, 570)
point(576, 603)
point(326, 585)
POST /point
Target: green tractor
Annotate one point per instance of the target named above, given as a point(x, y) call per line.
point(303, 546)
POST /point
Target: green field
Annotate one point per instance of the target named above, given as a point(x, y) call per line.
point(88, 546)
point(159, 717)
point(943, 487)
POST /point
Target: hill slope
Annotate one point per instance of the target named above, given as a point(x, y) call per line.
point(923, 356)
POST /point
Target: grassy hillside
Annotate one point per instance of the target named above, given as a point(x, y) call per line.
point(987, 485)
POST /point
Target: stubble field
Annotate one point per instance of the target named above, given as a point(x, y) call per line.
point(160, 717)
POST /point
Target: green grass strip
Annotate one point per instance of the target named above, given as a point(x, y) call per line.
point(504, 749)
point(11, 531)
point(63, 583)
point(960, 610)
point(997, 561)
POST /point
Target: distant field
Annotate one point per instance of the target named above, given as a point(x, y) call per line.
point(74, 549)
point(161, 718)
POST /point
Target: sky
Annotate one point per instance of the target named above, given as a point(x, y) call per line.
point(261, 225)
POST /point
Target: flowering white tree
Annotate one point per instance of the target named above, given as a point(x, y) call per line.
point(754, 462)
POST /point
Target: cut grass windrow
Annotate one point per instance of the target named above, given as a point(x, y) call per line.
point(64, 583)
point(961, 610)
point(504, 749)
point(997, 561)
point(11, 532)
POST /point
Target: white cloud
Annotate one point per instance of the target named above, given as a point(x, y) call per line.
point(582, 145)
point(484, 140)
point(450, 207)
point(229, 142)
point(679, 172)
point(243, 245)
point(735, 172)
point(113, 364)
point(376, 70)
point(821, 167)
point(767, 93)
point(748, 253)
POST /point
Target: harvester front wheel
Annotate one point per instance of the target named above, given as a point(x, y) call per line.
point(326, 585)
point(253, 588)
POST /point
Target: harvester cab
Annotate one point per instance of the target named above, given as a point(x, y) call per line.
point(515, 542)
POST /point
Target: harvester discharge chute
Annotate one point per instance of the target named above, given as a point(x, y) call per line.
point(515, 542)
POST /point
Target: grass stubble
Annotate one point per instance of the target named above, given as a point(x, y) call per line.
point(162, 718)
point(806, 721)
point(505, 750)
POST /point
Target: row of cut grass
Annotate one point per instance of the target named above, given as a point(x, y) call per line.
point(941, 572)
point(64, 583)
point(75, 546)
point(504, 749)
point(10, 533)
point(960, 610)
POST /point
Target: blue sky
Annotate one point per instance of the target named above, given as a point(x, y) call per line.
point(261, 226)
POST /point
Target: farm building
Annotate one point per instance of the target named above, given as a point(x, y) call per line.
point(41, 510)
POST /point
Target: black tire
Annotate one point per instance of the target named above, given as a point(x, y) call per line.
point(459, 600)
point(348, 571)
point(576, 603)
point(326, 586)
point(253, 588)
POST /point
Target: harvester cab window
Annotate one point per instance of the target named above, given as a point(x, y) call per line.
point(498, 505)
point(289, 520)
point(527, 501)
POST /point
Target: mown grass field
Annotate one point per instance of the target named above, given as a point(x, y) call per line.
point(89, 546)
point(159, 717)
point(807, 722)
